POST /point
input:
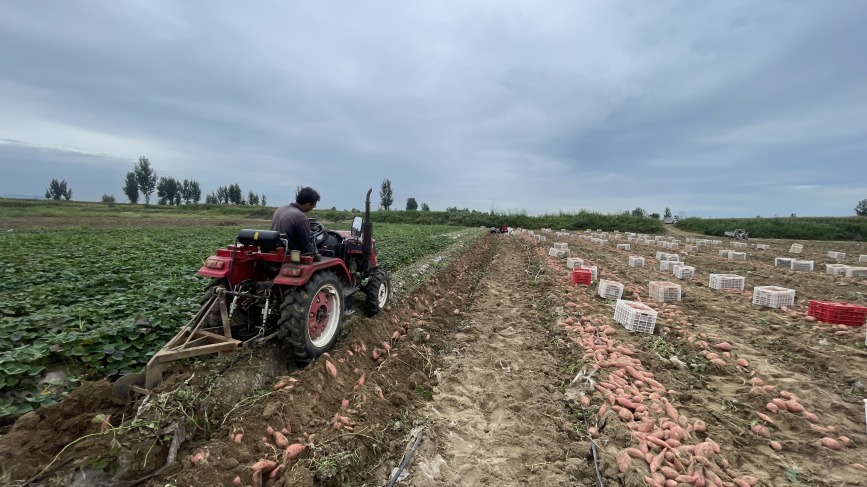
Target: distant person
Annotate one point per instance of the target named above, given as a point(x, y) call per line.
point(292, 220)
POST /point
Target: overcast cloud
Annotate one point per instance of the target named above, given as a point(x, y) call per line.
point(736, 108)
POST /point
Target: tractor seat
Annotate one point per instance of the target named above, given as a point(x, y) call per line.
point(267, 240)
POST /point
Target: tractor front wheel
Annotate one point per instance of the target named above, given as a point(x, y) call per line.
point(311, 317)
point(378, 292)
point(213, 318)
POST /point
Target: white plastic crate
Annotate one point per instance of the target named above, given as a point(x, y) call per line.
point(701, 243)
point(630, 238)
point(837, 255)
point(716, 242)
point(660, 255)
point(726, 281)
point(738, 256)
point(636, 261)
point(664, 291)
point(836, 269)
point(673, 245)
point(603, 242)
point(725, 253)
point(863, 258)
point(670, 238)
point(542, 238)
point(796, 249)
point(635, 316)
point(857, 272)
point(574, 262)
point(689, 240)
point(672, 257)
point(667, 265)
point(659, 237)
point(593, 271)
point(684, 271)
point(802, 265)
point(740, 245)
point(530, 233)
point(623, 246)
point(773, 296)
point(603, 235)
point(783, 262)
point(763, 247)
point(610, 289)
point(690, 248)
point(560, 245)
point(556, 252)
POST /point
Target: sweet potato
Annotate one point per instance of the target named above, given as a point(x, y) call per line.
point(699, 426)
point(811, 417)
point(830, 443)
point(669, 472)
point(847, 442)
point(776, 445)
point(625, 415)
point(237, 480)
point(724, 346)
point(294, 450)
point(742, 362)
point(657, 460)
point(771, 407)
point(331, 368)
point(634, 452)
point(238, 437)
point(280, 440)
point(785, 395)
point(623, 461)
point(265, 465)
point(794, 406)
point(651, 482)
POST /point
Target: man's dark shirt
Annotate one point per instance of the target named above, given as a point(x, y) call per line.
point(289, 219)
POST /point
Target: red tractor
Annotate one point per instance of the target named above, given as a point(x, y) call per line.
point(260, 289)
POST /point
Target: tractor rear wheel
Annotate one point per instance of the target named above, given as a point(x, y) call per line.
point(311, 317)
point(378, 292)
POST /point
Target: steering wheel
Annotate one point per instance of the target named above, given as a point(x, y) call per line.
point(317, 232)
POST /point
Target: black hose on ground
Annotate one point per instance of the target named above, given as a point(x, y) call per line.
point(593, 449)
point(406, 460)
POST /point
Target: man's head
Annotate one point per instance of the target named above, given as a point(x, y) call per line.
point(307, 199)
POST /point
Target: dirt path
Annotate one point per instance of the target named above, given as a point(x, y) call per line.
point(495, 410)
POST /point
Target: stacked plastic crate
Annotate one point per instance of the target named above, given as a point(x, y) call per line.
point(664, 291)
point(593, 271)
point(683, 271)
point(773, 296)
point(660, 255)
point(636, 261)
point(672, 257)
point(610, 289)
point(802, 265)
point(726, 281)
point(635, 316)
point(559, 253)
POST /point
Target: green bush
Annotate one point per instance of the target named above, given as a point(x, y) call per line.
point(805, 228)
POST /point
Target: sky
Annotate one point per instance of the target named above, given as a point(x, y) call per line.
point(736, 108)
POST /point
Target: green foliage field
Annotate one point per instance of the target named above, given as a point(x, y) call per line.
point(73, 296)
point(796, 228)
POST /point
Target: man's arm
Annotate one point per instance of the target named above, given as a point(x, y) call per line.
point(301, 236)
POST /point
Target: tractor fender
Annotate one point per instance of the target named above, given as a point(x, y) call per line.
point(298, 274)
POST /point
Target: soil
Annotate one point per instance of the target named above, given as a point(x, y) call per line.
point(489, 359)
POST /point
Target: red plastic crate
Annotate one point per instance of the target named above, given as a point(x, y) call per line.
point(582, 276)
point(838, 313)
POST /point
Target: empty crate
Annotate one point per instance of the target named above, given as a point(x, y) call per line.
point(635, 316)
point(561, 245)
point(660, 255)
point(783, 262)
point(672, 257)
point(857, 272)
point(802, 265)
point(684, 271)
point(738, 255)
point(740, 245)
point(796, 249)
point(763, 247)
point(837, 255)
point(836, 269)
point(556, 252)
point(623, 246)
point(725, 253)
point(690, 248)
point(667, 265)
point(581, 276)
point(574, 263)
point(636, 261)
point(664, 291)
point(773, 297)
point(863, 258)
point(838, 313)
point(610, 289)
point(592, 269)
point(726, 281)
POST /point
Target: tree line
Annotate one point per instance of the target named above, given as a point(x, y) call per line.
point(386, 198)
point(142, 181)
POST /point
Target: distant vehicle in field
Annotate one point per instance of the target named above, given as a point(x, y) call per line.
point(670, 221)
point(738, 234)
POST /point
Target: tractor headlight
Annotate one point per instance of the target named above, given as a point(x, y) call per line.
point(214, 264)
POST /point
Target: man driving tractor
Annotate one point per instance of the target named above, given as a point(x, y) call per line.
point(292, 220)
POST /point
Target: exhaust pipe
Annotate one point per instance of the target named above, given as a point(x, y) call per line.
point(367, 230)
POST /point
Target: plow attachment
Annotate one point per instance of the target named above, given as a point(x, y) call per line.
point(191, 341)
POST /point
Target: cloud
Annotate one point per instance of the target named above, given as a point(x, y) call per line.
point(717, 108)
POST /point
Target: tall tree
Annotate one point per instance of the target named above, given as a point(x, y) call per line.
point(168, 191)
point(386, 195)
point(264, 200)
point(223, 195)
point(235, 195)
point(425, 207)
point(297, 190)
point(58, 189)
point(108, 198)
point(639, 212)
point(252, 199)
point(186, 191)
point(411, 204)
point(146, 178)
point(130, 187)
point(211, 199)
point(861, 208)
point(195, 191)
point(667, 214)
